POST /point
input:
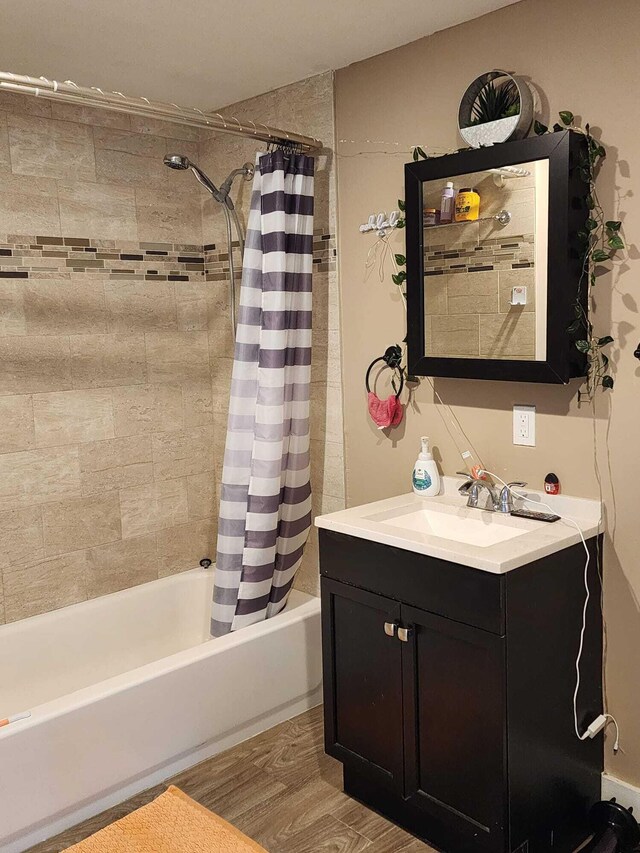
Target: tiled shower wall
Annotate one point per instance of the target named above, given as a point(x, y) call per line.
point(115, 355)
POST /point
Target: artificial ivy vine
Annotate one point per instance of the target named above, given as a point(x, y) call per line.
point(601, 239)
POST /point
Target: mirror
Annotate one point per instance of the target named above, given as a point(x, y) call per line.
point(485, 282)
point(494, 260)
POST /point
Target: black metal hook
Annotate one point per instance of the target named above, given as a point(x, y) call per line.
point(637, 352)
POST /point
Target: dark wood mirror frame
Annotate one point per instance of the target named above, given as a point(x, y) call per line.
point(568, 213)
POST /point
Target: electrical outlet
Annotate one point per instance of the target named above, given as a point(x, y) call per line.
point(524, 425)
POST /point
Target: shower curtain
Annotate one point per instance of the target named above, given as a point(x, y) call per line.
point(265, 502)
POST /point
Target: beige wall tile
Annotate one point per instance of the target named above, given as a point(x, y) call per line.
point(183, 452)
point(221, 372)
point(125, 142)
point(201, 495)
point(21, 536)
point(195, 305)
point(508, 335)
point(327, 468)
point(177, 356)
point(28, 205)
point(102, 361)
point(141, 409)
point(51, 148)
point(37, 476)
point(326, 364)
point(67, 417)
point(12, 102)
point(181, 548)
point(121, 565)
point(45, 585)
point(97, 210)
point(12, 320)
point(220, 423)
point(16, 423)
point(197, 400)
point(157, 127)
point(34, 363)
point(326, 412)
point(326, 301)
point(168, 215)
point(115, 464)
point(118, 167)
point(435, 294)
point(5, 158)
point(153, 507)
point(453, 336)
point(97, 482)
point(89, 115)
point(138, 306)
point(472, 293)
point(221, 334)
point(517, 278)
point(81, 523)
point(59, 307)
point(114, 453)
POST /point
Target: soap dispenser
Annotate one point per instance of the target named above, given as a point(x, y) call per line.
point(426, 478)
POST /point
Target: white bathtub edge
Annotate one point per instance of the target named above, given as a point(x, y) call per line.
point(157, 776)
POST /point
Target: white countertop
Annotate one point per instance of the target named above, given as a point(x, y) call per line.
point(530, 540)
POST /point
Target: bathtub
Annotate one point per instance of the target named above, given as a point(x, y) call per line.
point(128, 689)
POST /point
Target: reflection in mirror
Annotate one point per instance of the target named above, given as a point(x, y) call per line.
point(485, 270)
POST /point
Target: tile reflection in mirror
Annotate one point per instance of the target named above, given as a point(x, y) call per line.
point(472, 267)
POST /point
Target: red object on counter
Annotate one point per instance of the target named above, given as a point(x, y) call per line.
point(552, 484)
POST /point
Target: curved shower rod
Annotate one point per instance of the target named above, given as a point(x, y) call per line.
point(70, 92)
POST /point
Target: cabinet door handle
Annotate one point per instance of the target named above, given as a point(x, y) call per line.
point(405, 634)
point(390, 628)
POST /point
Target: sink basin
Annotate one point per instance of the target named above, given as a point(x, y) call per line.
point(467, 526)
point(444, 527)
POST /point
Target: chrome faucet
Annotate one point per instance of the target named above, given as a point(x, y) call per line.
point(500, 501)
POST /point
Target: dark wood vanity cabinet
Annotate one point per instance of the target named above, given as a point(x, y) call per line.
point(448, 693)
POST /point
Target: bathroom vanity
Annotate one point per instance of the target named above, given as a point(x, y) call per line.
point(449, 641)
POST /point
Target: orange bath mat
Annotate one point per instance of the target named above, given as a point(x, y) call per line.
point(172, 823)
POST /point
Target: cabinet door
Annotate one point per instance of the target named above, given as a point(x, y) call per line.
point(362, 680)
point(455, 725)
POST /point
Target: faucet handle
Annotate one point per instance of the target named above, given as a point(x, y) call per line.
point(506, 495)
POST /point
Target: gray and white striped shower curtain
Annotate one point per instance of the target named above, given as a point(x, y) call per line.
point(265, 503)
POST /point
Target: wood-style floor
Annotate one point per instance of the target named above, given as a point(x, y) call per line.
point(281, 790)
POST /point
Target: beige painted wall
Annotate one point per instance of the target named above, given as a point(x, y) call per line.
point(306, 107)
point(582, 57)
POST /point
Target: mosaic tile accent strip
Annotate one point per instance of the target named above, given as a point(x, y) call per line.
point(216, 261)
point(495, 253)
point(27, 256)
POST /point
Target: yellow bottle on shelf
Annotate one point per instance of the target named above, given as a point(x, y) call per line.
point(467, 205)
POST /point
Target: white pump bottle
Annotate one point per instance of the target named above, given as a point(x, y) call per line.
point(426, 477)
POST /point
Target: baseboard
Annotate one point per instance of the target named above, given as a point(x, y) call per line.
point(625, 793)
point(189, 759)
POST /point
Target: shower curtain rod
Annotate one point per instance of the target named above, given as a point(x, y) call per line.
point(72, 93)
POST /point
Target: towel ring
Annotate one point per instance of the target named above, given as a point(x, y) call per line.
point(392, 358)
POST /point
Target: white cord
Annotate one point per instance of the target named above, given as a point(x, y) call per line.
point(586, 734)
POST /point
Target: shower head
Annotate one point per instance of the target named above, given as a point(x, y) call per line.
point(180, 162)
point(176, 161)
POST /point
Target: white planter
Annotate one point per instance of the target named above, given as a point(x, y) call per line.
point(491, 132)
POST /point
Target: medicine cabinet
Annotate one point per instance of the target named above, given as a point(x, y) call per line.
point(492, 296)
